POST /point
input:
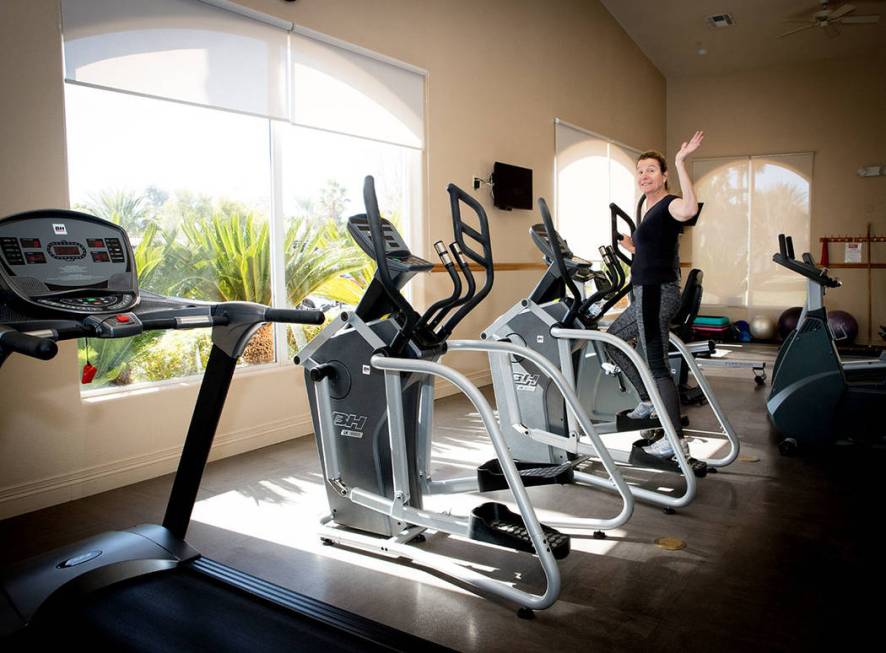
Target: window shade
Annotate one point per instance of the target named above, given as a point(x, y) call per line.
point(340, 90)
point(591, 172)
point(177, 49)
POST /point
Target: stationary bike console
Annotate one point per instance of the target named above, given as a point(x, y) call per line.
point(59, 261)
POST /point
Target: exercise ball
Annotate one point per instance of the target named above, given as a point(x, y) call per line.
point(762, 327)
point(743, 331)
point(843, 326)
point(788, 321)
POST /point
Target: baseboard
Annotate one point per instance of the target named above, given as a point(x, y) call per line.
point(34, 495)
point(19, 499)
point(479, 378)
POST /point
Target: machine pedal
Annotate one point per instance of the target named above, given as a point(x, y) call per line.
point(490, 476)
point(496, 524)
point(639, 458)
point(625, 423)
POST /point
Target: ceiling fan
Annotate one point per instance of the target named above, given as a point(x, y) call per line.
point(828, 19)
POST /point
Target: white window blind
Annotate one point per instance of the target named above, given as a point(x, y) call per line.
point(177, 49)
point(748, 202)
point(592, 171)
point(340, 90)
point(191, 51)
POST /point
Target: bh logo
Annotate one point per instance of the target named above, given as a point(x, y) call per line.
point(352, 424)
point(525, 381)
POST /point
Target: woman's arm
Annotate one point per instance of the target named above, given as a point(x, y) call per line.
point(684, 208)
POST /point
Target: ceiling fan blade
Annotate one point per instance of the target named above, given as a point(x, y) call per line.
point(842, 11)
point(858, 20)
point(796, 29)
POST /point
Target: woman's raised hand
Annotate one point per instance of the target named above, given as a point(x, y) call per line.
point(688, 148)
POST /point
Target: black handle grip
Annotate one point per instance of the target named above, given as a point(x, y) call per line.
point(294, 316)
point(782, 245)
point(554, 240)
point(790, 242)
point(460, 229)
point(438, 309)
point(615, 212)
point(22, 343)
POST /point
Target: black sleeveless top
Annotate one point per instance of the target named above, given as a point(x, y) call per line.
point(656, 242)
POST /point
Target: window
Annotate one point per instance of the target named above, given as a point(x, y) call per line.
point(748, 202)
point(591, 172)
point(232, 150)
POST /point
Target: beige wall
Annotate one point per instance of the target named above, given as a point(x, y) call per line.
point(835, 109)
point(499, 72)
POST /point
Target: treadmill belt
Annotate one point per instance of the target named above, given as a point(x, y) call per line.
point(183, 610)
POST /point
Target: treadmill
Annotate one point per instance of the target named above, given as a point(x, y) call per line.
point(65, 275)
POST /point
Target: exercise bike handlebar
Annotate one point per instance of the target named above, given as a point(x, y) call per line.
point(807, 268)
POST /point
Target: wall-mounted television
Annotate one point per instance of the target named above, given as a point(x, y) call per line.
point(511, 187)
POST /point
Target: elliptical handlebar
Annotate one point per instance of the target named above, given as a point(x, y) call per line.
point(441, 307)
point(554, 239)
point(616, 212)
point(469, 279)
point(460, 229)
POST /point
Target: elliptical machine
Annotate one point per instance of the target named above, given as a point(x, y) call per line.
point(370, 377)
point(816, 397)
point(559, 322)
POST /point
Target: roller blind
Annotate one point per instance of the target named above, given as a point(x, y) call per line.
point(191, 51)
point(592, 171)
point(337, 89)
point(177, 49)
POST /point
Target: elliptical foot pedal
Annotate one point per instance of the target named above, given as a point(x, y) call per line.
point(490, 476)
point(625, 423)
point(690, 395)
point(494, 523)
point(639, 458)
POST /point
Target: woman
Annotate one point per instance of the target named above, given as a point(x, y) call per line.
point(655, 277)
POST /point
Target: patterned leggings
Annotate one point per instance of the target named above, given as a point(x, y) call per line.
point(646, 322)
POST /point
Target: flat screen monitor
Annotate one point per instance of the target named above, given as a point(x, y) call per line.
point(511, 187)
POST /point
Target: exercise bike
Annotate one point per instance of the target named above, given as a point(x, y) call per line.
point(816, 397)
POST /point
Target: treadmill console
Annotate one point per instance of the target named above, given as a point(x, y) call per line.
point(66, 261)
point(397, 252)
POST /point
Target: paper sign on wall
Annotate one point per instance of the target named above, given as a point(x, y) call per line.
point(853, 252)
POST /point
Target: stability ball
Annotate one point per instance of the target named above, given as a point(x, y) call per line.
point(762, 327)
point(742, 331)
point(843, 326)
point(788, 321)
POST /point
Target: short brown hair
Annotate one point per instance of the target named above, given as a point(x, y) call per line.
point(662, 162)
